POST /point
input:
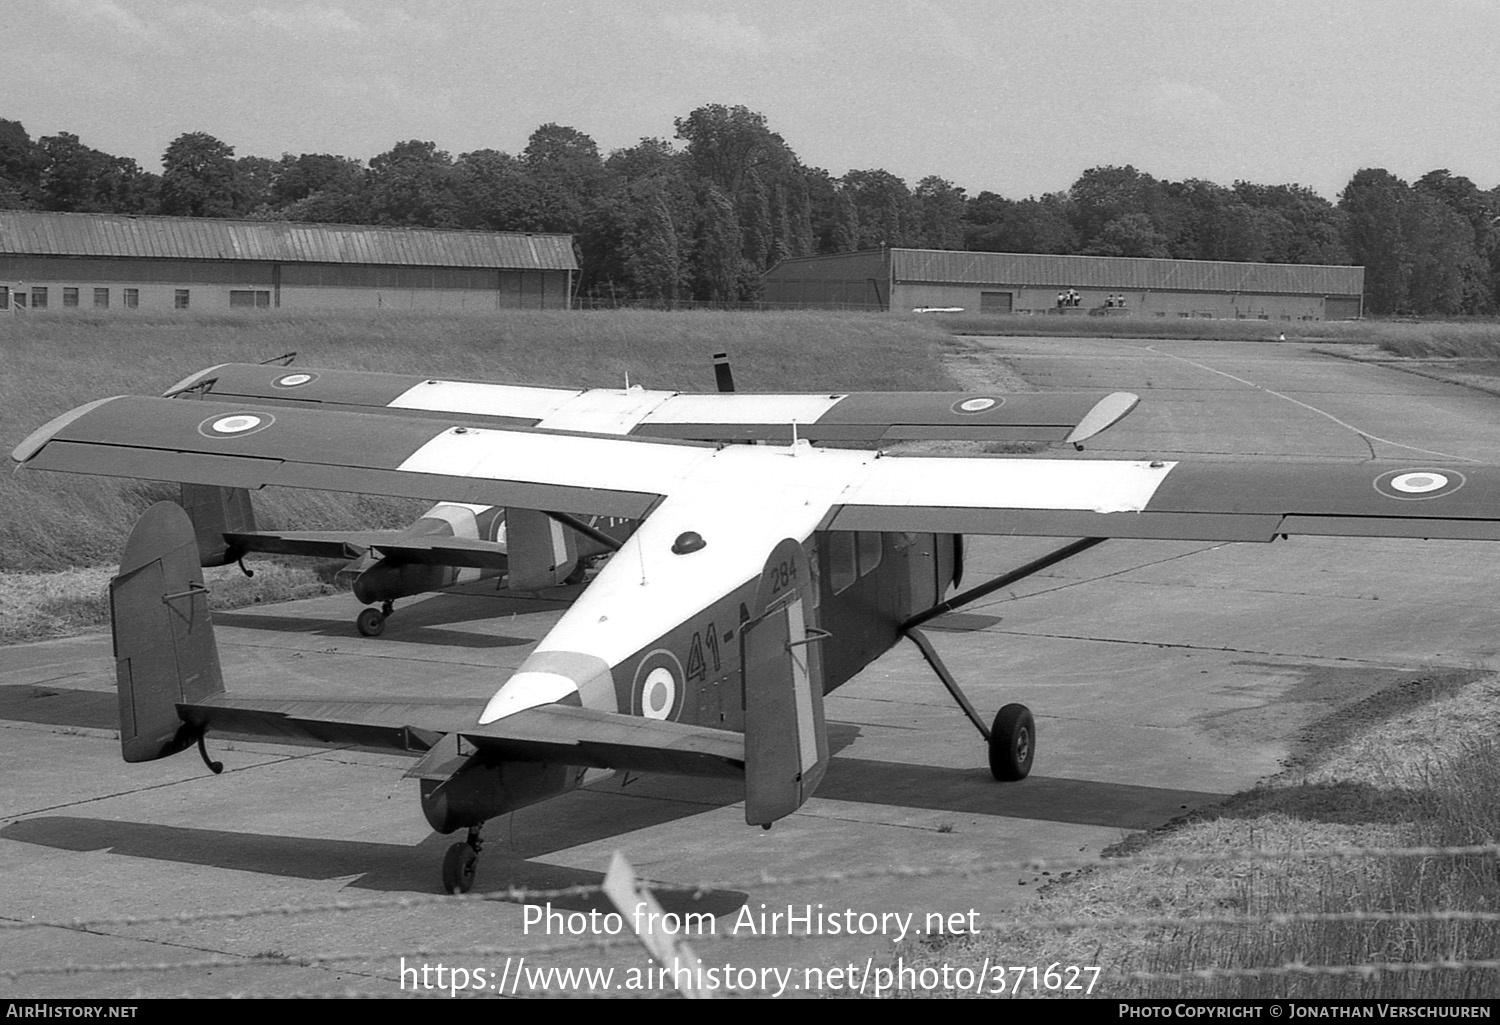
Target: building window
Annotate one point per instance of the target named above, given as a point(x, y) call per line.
point(70, 297)
point(38, 298)
point(132, 298)
point(20, 297)
point(4, 297)
point(180, 299)
point(249, 298)
point(101, 298)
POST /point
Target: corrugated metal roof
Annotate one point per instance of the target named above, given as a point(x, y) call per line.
point(34, 233)
point(937, 265)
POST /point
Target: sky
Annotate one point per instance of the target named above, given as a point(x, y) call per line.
point(1016, 97)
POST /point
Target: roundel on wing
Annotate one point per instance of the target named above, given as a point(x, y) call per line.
point(657, 692)
point(978, 404)
point(235, 425)
point(295, 380)
point(1416, 484)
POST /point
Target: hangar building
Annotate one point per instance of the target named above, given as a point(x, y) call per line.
point(911, 279)
point(56, 261)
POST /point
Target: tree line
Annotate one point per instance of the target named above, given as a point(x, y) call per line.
point(699, 217)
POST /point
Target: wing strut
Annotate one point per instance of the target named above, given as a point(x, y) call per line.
point(1012, 737)
point(1004, 580)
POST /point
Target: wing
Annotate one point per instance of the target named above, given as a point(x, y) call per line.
point(1228, 501)
point(197, 443)
point(853, 417)
point(167, 439)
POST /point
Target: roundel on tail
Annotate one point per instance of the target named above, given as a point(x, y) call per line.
point(1419, 483)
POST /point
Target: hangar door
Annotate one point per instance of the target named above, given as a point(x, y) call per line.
point(1341, 307)
point(995, 302)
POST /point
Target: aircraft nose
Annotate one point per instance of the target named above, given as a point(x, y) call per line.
point(549, 676)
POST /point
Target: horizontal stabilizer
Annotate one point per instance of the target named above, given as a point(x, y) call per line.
point(398, 546)
point(559, 734)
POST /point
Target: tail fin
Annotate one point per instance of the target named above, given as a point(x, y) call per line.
point(214, 512)
point(786, 740)
point(164, 638)
point(541, 551)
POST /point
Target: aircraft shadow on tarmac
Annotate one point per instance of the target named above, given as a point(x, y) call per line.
point(377, 866)
point(516, 844)
point(59, 706)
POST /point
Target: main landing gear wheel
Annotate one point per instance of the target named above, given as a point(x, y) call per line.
point(460, 863)
point(371, 623)
point(1012, 743)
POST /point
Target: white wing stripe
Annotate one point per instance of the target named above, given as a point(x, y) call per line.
point(741, 409)
point(1093, 486)
point(483, 399)
point(566, 461)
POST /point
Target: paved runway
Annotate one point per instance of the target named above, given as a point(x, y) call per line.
point(1164, 675)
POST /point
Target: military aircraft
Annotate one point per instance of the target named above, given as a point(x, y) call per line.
point(759, 579)
point(456, 543)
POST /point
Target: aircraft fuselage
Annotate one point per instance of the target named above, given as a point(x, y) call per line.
point(865, 586)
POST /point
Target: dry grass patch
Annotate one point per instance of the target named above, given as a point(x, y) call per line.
point(1414, 775)
point(39, 606)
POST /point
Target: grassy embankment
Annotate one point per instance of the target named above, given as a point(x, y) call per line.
point(61, 533)
point(1416, 765)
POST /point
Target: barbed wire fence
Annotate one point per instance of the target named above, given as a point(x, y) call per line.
point(1030, 921)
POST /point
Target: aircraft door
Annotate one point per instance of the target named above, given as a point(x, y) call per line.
point(786, 741)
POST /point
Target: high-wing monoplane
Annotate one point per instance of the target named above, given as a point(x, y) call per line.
point(456, 543)
point(759, 579)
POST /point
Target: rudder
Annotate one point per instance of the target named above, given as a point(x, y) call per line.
point(215, 512)
point(164, 645)
point(786, 739)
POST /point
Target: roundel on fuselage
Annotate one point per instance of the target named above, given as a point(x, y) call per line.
point(657, 691)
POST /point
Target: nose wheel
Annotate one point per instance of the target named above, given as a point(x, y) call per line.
point(371, 622)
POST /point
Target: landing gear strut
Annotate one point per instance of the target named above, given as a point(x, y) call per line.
point(371, 623)
point(461, 861)
point(1012, 736)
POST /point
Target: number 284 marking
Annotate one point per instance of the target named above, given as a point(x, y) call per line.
point(782, 575)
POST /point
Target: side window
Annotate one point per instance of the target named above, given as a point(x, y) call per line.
point(869, 547)
point(842, 570)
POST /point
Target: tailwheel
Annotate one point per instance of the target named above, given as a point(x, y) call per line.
point(1012, 743)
